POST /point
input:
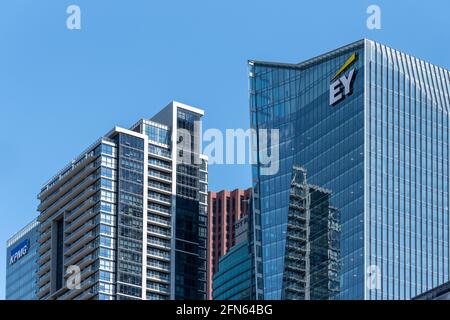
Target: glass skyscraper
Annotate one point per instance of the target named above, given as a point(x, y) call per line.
point(129, 215)
point(371, 125)
point(21, 266)
point(235, 278)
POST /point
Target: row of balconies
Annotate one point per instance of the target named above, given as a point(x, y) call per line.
point(160, 232)
point(69, 202)
point(80, 231)
point(166, 212)
point(158, 176)
point(63, 179)
point(78, 221)
point(86, 282)
point(159, 187)
point(44, 268)
point(82, 208)
point(166, 167)
point(43, 291)
point(164, 256)
point(65, 199)
point(45, 246)
point(80, 254)
point(159, 221)
point(43, 258)
point(158, 243)
point(72, 248)
point(45, 235)
point(67, 188)
point(159, 199)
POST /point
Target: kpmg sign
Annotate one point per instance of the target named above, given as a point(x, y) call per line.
point(342, 85)
point(19, 251)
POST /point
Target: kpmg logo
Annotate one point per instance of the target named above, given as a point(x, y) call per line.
point(342, 85)
point(19, 252)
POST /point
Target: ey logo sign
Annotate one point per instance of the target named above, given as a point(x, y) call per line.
point(342, 84)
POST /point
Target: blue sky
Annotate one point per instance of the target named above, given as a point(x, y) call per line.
point(60, 89)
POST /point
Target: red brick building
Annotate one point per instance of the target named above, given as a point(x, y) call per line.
point(225, 208)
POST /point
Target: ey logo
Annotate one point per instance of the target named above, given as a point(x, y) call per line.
point(342, 85)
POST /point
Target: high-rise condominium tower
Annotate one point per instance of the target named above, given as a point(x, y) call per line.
point(128, 217)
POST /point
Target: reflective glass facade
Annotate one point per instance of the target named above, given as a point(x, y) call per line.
point(382, 151)
point(407, 178)
point(234, 279)
point(21, 266)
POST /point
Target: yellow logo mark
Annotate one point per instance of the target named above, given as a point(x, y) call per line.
point(347, 64)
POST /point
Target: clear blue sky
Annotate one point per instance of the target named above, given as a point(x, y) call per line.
point(61, 89)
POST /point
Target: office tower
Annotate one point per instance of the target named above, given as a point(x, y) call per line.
point(370, 124)
point(235, 276)
point(21, 267)
point(441, 292)
point(128, 217)
point(225, 208)
point(312, 243)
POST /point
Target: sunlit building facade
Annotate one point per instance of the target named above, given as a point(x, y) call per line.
point(129, 214)
point(371, 125)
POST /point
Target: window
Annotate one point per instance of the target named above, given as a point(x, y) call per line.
point(107, 149)
point(159, 135)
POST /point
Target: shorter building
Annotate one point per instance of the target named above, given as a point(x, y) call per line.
point(225, 208)
point(441, 292)
point(235, 278)
point(21, 266)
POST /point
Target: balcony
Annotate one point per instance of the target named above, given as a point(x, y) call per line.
point(66, 200)
point(72, 293)
point(158, 276)
point(43, 280)
point(87, 260)
point(159, 176)
point(159, 199)
point(70, 187)
point(87, 294)
point(44, 268)
point(45, 246)
point(158, 243)
point(160, 153)
point(155, 288)
point(70, 216)
point(158, 256)
point(159, 210)
point(66, 174)
point(80, 254)
point(70, 205)
point(158, 187)
point(44, 257)
point(82, 230)
point(73, 247)
point(81, 197)
point(85, 272)
point(43, 291)
point(166, 234)
point(159, 221)
point(82, 218)
point(45, 236)
point(160, 165)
